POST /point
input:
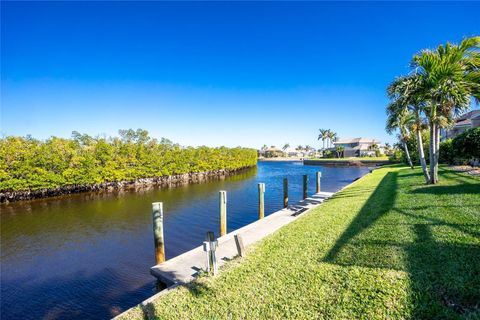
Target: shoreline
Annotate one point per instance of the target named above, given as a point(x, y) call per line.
point(351, 163)
point(279, 159)
point(141, 183)
point(175, 275)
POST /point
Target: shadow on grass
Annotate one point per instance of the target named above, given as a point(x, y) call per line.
point(444, 268)
point(455, 189)
point(379, 203)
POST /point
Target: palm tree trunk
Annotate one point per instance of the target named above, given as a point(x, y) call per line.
point(432, 152)
point(407, 154)
point(437, 151)
point(421, 155)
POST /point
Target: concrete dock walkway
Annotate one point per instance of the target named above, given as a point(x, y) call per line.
point(185, 267)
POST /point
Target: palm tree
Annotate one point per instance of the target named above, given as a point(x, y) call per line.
point(323, 136)
point(339, 150)
point(285, 147)
point(407, 92)
point(264, 147)
point(299, 147)
point(399, 117)
point(332, 136)
point(450, 77)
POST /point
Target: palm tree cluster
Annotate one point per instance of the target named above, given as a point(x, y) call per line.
point(327, 135)
point(440, 86)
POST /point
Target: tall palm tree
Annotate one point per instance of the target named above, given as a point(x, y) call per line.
point(407, 92)
point(286, 146)
point(450, 77)
point(332, 136)
point(398, 117)
point(323, 136)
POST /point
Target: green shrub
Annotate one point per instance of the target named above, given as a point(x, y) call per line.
point(467, 145)
point(396, 156)
point(447, 153)
point(28, 164)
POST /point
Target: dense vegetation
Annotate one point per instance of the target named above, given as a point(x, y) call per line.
point(386, 247)
point(462, 148)
point(441, 84)
point(28, 164)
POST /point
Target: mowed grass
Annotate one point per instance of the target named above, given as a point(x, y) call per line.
point(388, 246)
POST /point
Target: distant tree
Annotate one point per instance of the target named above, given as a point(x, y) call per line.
point(398, 117)
point(339, 150)
point(286, 146)
point(323, 136)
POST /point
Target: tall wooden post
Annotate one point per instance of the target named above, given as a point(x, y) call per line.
point(261, 200)
point(223, 212)
point(285, 192)
point(157, 211)
point(305, 186)
point(319, 175)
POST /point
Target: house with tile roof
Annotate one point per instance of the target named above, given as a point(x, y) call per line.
point(357, 147)
point(466, 121)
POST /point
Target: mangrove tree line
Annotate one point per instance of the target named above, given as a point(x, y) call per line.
point(29, 164)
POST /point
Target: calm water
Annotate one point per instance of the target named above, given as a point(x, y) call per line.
point(88, 256)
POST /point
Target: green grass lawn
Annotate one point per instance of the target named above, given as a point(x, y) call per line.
point(386, 247)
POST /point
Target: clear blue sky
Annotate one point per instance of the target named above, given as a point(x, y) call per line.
point(213, 73)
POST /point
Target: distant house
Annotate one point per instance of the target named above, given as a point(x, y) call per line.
point(466, 121)
point(357, 147)
point(294, 153)
point(271, 152)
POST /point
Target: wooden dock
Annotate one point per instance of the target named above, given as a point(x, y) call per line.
point(185, 267)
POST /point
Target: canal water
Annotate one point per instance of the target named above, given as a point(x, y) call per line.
point(87, 256)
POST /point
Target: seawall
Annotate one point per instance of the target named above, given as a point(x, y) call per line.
point(346, 162)
point(164, 181)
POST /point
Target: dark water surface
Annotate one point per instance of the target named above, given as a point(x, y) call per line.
point(87, 256)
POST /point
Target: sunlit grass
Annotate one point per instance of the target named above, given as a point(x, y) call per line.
point(388, 246)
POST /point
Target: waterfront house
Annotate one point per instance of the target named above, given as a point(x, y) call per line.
point(466, 121)
point(357, 147)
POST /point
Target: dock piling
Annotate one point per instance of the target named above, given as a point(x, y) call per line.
point(261, 200)
point(157, 212)
point(305, 186)
point(223, 212)
point(285, 192)
point(319, 175)
point(210, 246)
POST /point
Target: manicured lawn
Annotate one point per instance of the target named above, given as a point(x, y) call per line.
point(386, 247)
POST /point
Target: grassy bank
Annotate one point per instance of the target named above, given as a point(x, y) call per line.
point(388, 246)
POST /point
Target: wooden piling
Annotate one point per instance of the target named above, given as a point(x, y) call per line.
point(261, 200)
point(319, 175)
point(239, 244)
point(157, 212)
point(223, 212)
point(305, 186)
point(285, 192)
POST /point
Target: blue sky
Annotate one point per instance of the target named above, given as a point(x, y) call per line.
point(213, 73)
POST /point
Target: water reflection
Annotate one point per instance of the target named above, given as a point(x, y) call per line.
point(88, 255)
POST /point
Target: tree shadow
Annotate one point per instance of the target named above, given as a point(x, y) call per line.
point(454, 189)
point(376, 206)
point(431, 242)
